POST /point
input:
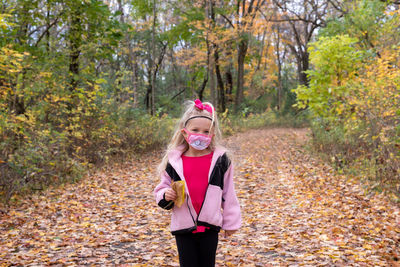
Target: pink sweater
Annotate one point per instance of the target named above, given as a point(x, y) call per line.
point(195, 170)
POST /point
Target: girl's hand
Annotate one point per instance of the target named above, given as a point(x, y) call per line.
point(228, 233)
point(170, 194)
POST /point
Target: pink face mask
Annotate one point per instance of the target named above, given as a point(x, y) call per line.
point(198, 141)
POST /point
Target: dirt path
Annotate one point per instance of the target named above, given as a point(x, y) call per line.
point(295, 210)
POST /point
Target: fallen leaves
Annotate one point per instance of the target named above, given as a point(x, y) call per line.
point(296, 211)
point(300, 212)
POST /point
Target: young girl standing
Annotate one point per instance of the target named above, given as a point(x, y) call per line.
point(195, 157)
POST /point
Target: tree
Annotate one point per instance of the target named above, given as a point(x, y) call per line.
point(153, 70)
point(245, 16)
point(75, 41)
point(302, 19)
point(335, 60)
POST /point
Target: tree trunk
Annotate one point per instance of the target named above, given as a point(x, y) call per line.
point(203, 87)
point(131, 58)
point(48, 26)
point(212, 82)
point(134, 77)
point(17, 103)
point(247, 20)
point(153, 65)
point(221, 91)
point(147, 98)
point(209, 12)
point(278, 57)
point(229, 83)
point(220, 82)
point(304, 63)
point(242, 50)
point(261, 51)
point(176, 82)
point(75, 40)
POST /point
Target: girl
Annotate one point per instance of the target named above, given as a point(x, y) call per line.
point(210, 203)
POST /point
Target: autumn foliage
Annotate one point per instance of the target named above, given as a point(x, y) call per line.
point(84, 82)
point(354, 98)
point(296, 210)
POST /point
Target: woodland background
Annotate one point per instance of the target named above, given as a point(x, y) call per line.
point(84, 82)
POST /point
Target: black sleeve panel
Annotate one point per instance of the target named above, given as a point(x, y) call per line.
point(220, 168)
point(172, 173)
point(166, 204)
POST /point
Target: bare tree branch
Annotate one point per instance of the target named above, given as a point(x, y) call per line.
point(48, 28)
point(228, 20)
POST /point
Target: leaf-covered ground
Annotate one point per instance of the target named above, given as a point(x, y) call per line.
point(296, 211)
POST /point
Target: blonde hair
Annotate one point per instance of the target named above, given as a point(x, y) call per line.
point(177, 139)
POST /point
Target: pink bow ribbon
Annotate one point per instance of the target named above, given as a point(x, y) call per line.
point(199, 105)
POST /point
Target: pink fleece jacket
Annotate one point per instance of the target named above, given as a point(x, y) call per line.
point(185, 219)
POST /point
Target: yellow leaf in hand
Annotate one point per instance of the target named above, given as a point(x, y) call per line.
point(179, 188)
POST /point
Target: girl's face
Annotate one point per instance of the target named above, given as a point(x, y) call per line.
point(198, 126)
point(197, 133)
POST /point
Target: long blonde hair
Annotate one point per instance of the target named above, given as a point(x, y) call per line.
point(178, 139)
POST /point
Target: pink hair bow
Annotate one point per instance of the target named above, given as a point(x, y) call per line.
point(199, 105)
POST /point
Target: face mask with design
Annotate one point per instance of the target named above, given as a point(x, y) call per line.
point(198, 141)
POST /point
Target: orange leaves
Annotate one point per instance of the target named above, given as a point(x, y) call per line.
point(298, 211)
point(295, 211)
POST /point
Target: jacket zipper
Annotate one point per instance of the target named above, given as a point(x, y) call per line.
point(205, 195)
point(197, 219)
point(187, 202)
point(202, 204)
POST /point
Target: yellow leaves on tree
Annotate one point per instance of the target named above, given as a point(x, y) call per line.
point(377, 97)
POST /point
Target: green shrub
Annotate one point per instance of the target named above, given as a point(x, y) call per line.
point(352, 153)
point(39, 155)
point(40, 159)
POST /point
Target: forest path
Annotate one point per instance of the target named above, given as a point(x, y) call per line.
point(296, 211)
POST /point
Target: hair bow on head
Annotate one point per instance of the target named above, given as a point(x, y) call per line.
point(198, 104)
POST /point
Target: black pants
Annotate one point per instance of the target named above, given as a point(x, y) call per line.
point(197, 250)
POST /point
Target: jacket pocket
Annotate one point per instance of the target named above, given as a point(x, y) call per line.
point(181, 218)
point(211, 210)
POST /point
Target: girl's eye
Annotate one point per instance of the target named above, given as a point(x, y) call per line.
point(206, 132)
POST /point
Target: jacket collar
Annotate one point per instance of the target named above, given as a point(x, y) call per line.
point(175, 159)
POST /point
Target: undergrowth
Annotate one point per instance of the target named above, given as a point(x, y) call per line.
point(42, 156)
